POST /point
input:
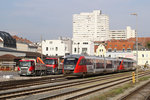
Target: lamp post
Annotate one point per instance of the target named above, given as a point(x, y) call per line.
point(135, 14)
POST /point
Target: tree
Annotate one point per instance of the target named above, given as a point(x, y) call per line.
point(148, 45)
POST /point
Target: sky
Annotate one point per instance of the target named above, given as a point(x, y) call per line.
point(51, 19)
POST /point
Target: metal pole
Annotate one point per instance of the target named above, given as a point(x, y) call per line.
point(135, 14)
point(137, 78)
point(41, 49)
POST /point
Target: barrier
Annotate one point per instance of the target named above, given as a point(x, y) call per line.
point(7, 66)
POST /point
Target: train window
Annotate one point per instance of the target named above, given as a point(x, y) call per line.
point(89, 61)
point(99, 64)
point(125, 64)
point(130, 64)
point(70, 61)
point(109, 64)
point(82, 62)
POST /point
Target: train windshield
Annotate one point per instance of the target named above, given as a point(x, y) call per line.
point(50, 61)
point(70, 61)
point(25, 64)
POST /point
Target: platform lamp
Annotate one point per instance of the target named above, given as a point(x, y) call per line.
point(135, 14)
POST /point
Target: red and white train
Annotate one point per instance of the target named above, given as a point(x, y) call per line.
point(86, 65)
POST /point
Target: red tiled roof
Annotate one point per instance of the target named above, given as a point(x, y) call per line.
point(142, 40)
point(21, 39)
point(119, 45)
point(95, 47)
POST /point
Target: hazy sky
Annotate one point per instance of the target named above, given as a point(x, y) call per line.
point(53, 18)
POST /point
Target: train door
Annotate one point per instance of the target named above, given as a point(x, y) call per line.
point(115, 65)
point(109, 66)
point(94, 65)
point(89, 64)
point(99, 66)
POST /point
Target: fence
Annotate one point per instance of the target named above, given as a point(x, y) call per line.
point(7, 66)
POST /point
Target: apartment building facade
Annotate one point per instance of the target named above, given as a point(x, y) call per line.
point(122, 34)
point(91, 26)
point(60, 47)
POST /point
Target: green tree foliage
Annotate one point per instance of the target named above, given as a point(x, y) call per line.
point(148, 45)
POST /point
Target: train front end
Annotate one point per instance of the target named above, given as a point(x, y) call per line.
point(69, 65)
point(73, 66)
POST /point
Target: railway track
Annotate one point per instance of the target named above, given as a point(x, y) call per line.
point(140, 93)
point(30, 82)
point(64, 89)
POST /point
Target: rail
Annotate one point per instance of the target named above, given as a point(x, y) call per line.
point(66, 88)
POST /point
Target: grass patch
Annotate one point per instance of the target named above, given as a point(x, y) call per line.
point(113, 92)
point(144, 78)
point(117, 90)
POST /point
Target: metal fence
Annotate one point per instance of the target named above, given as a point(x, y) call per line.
point(6, 66)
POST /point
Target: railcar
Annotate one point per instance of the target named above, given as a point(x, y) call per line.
point(80, 65)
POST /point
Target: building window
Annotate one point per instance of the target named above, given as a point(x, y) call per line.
point(46, 48)
point(84, 50)
point(123, 49)
point(85, 42)
point(115, 45)
point(124, 45)
point(128, 50)
point(100, 50)
point(115, 50)
point(142, 55)
point(75, 50)
point(56, 48)
point(109, 50)
point(50, 42)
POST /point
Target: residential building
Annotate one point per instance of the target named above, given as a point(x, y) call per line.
point(99, 49)
point(142, 42)
point(60, 47)
point(119, 45)
point(90, 26)
point(25, 45)
point(122, 34)
point(143, 57)
point(83, 47)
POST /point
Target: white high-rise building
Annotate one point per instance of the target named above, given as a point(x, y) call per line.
point(122, 34)
point(91, 26)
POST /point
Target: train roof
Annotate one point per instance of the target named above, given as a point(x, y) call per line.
point(75, 56)
point(106, 58)
point(51, 58)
